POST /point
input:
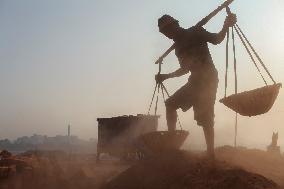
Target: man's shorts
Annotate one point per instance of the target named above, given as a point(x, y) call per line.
point(200, 93)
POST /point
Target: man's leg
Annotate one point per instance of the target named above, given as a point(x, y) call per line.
point(178, 100)
point(205, 118)
point(209, 137)
point(171, 116)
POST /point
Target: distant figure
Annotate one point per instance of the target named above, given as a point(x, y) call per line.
point(199, 92)
point(274, 139)
point(273, 148)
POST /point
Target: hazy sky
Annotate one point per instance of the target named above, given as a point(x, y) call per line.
point(71, 61)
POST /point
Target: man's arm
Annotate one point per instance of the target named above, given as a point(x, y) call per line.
point(217, 38)
point(179, 72)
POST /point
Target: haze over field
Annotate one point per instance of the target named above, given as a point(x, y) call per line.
point(72, 61)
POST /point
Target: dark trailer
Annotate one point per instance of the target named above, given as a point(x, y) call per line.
point(118, 136)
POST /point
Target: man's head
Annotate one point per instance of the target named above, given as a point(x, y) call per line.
point(168, 26)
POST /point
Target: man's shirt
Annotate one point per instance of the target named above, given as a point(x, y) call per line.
point(192, 48)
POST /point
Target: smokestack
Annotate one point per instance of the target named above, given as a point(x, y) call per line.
point(69, 127)
point(69, 143)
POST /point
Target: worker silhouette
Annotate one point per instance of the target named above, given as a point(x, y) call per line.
point(199, 92)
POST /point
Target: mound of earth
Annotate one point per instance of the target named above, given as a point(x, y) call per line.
point(253, 160)
point(182, 170)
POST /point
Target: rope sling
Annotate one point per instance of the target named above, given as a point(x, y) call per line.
point(163, 90)
point(253, 102)
point(159, 141)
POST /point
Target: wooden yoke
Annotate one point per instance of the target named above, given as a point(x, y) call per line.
point(201, 23)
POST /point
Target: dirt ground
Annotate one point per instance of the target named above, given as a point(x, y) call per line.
point(257, 161)
point(183, 170)
point(81, 172)
point(234, 169)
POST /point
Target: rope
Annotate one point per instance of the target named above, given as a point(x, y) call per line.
point(236, 128)
point(179, 123)
point(235, 61)
point(248, 51)
point(236, 83)
point(157, 99)
point(152, 99)
point(256, 54)
point(163, 93)
point(227, 63)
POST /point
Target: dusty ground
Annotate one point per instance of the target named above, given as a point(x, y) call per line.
point(253, 160)
point(234, 169)
point(182, 170)
point(61, 173)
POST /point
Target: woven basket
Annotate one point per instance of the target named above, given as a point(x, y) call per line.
point(161, 141)
point(254, 102)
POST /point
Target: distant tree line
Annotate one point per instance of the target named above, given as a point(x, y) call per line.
point(42, 142)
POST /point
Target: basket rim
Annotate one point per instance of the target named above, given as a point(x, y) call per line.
point(276, 85)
